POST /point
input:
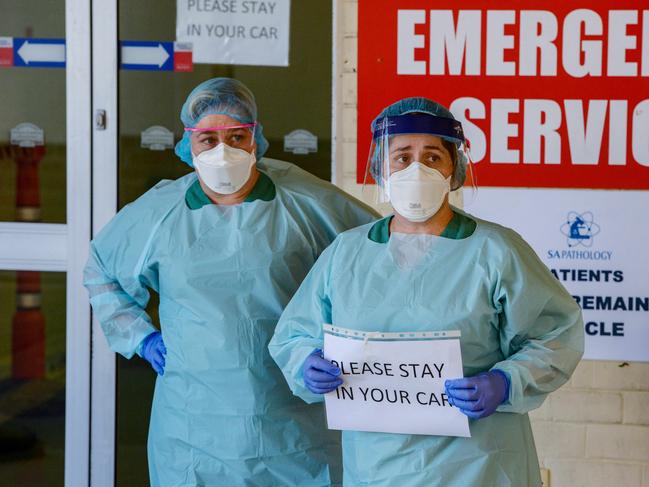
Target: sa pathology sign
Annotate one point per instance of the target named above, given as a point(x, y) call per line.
point(595, 243)
point(550, 94)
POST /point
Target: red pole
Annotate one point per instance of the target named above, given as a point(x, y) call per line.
point(28, 325)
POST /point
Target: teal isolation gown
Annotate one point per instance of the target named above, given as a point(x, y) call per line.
point(477, 277)
point(222, 414)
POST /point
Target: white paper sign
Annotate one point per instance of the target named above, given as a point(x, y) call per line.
point(251, 32)
point(595, 243)
point(394, 382)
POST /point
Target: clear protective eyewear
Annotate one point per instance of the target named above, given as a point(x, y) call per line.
point(390, 153)
point(239, 136)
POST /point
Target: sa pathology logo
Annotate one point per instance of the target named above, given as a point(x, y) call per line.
point(579, 229)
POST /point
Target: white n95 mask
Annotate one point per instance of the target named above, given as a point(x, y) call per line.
point(224, 169)
point(418, 191)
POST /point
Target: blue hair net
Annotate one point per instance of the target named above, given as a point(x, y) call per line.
point(219, 96)
point(430, 107)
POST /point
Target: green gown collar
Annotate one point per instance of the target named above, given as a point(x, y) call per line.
point(380, 231)
point(264, 190)
point(460, 226)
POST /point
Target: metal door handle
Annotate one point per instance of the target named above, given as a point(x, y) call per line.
point(100, 119)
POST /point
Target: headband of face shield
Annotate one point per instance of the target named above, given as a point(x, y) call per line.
point(219, 96)
point(223, 155)
point(386, 128)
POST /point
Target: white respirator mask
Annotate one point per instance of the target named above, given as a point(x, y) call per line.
point(224, 169)
point(418, 191)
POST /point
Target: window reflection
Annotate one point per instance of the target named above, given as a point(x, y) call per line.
point(32, 378)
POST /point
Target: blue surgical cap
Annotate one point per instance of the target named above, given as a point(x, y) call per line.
point(430, 107)
point(219, 96)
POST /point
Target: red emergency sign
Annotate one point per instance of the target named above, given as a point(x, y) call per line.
point(550, 94)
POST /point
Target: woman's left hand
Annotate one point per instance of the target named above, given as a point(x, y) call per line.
point(480, 395)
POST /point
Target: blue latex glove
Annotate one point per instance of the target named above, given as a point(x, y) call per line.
point(480, 395)
point(153, 350)
point(320, 375)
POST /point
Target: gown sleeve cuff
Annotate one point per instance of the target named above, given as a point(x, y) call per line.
point(139, 334)
point(517, 400)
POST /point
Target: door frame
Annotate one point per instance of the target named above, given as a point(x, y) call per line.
point(104, 198)
point(51, 247)
point(78, 151)
point(104, 206)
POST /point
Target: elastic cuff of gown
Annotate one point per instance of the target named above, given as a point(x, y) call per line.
point(138, 349)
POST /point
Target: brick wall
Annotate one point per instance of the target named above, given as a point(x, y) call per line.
point(595, 430)
point(592, 432)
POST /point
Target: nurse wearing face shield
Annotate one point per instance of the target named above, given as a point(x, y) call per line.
point(430, 267)
point(225, 247)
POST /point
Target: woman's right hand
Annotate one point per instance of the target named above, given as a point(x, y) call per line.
point(155, 352)
point(320, 375)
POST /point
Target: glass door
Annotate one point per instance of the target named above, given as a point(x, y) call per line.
point(44, 231)
point(134, 151)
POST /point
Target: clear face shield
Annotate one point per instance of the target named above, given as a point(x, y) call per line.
point(408, 149)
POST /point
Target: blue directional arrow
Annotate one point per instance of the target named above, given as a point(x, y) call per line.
point(147, 55)
point(39, 53)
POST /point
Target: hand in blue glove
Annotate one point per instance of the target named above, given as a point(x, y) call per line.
point(153, 350)
point(320, 375)
point(480, 395)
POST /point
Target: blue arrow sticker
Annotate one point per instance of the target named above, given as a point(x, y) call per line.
point(39, 53)
point(147, 55)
